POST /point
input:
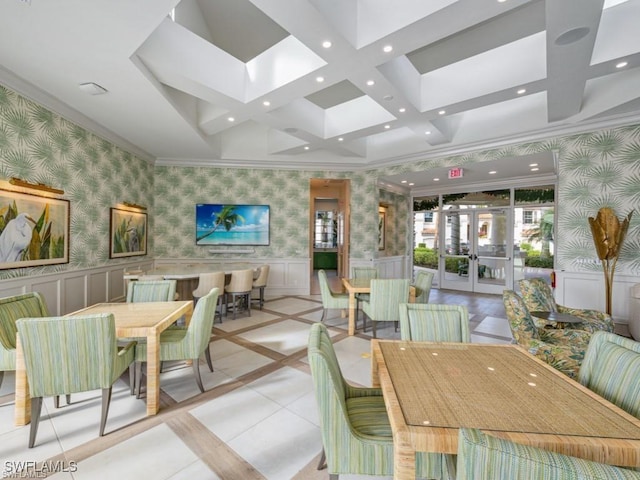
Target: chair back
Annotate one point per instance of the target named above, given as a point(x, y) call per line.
point(523, 328)
point(64, 355)
point(611, 368)
point(150, 278)
point(151, 291)
point(198, 333)
point(207, 281)
point(263, 276)
point(423, 283)
point(484, 457)
point(429, 322)
point(385, 298)
point(537, 295)
point(15, 307)
point(364, 272)
point(241, 281)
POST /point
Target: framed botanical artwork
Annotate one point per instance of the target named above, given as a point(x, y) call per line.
point(382, 219)
point(127, 233)
point(34, 230)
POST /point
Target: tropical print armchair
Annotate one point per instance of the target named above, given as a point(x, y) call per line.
point(538, 296)
point(563, 349)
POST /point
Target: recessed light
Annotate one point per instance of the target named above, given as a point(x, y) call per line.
point(572, 36)
point(492, 172)
point(387, 126)
point(501, 1)
point(533, 164)
point(428, 132)
point(622, 64)
point(403, 181)
point(521, 91)
point(535, 169)
point(326, 44)
point(371, 82)
point(266, 103)
point(436, 179)
point(442, 112)
point(411, 184)
point(319, 79)
point(306, 148)
point(387, 48)
point(231, 119)
point(340, 139)
point(388, 98)
point(402, 110)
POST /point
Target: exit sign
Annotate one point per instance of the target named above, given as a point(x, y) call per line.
point(455, 172)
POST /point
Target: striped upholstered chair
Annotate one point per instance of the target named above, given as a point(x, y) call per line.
point(355, 428)
point(151, 291)
point(538, 296)
point(11, 309)
point(611, 368)
point(64, 355)
point(483, 457)
point(330, 300)
point(563, 349)
point(430, 322)
point(423, 283)
point(386, 297)
point(186, 343)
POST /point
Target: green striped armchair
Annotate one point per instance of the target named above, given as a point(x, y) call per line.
point(538, 296)
point(483, 457)
point(64, 355)
point(186, 343)
point(611, 368)
point(385, 299)
point(11, 309)
point(355, 428)
point(430, 322)
point(330, 300)
point(563, 349)
point(423, 283)
point(151, 291)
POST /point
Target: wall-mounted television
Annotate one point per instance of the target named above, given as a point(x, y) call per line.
point(230, 224)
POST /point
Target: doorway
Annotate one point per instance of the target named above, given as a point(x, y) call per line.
point(329, 228)
point(477, 254)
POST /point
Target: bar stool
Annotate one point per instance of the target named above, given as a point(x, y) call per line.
point(207, 281)
point(239, 288)
point(261, 282)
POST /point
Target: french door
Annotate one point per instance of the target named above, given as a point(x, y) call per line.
point(477, 250)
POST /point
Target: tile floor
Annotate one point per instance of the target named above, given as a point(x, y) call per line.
point(257, 419)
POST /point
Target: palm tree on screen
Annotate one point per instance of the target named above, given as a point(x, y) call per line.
point(227, 218)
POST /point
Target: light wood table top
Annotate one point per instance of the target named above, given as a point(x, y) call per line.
point(133, 320)
point(432, 389)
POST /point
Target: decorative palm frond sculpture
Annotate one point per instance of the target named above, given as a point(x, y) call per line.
point(608, 235)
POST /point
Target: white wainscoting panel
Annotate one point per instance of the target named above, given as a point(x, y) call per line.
point(392, 267)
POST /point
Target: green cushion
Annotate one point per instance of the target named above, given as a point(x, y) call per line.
point(368, 416)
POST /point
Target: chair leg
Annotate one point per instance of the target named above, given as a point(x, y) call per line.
point(261, 297)
point(233, 301)
point(36, 408)
point(106, 401)
point(1, 376)
point(249, 303)
point(196, 371)
point(322, 463)
point(132, 378)
point(373, 323)
point(68, 398)
point(324, 314)
point(138, 378)
point(56, 401)
point(207, 354)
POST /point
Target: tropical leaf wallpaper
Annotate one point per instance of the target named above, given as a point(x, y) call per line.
point(596, 169)
point(39, 146)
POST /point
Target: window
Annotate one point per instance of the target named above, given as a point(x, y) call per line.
point(530, 216)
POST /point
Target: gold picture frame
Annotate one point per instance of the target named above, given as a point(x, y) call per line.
point(127, 233)
point(382, 229)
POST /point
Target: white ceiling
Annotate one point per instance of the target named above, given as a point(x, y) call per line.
point(173, 84)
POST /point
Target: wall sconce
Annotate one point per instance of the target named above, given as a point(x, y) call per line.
point(134, 205)
point(35, 186)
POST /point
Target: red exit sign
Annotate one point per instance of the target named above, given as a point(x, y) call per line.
point(456, 172)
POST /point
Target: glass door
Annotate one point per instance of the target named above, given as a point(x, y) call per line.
point(476, 256)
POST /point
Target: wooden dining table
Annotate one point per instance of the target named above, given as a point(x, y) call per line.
point(432, 389)
point(133, 320)
point(362, 285)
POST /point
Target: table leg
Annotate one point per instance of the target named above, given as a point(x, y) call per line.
point(352, 313)
point(22, 415)
point(404, 461)
point(153, 373)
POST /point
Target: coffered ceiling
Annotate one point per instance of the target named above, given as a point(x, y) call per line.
point(254, 83)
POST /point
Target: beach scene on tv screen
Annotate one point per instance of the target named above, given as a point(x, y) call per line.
point(225, 224)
